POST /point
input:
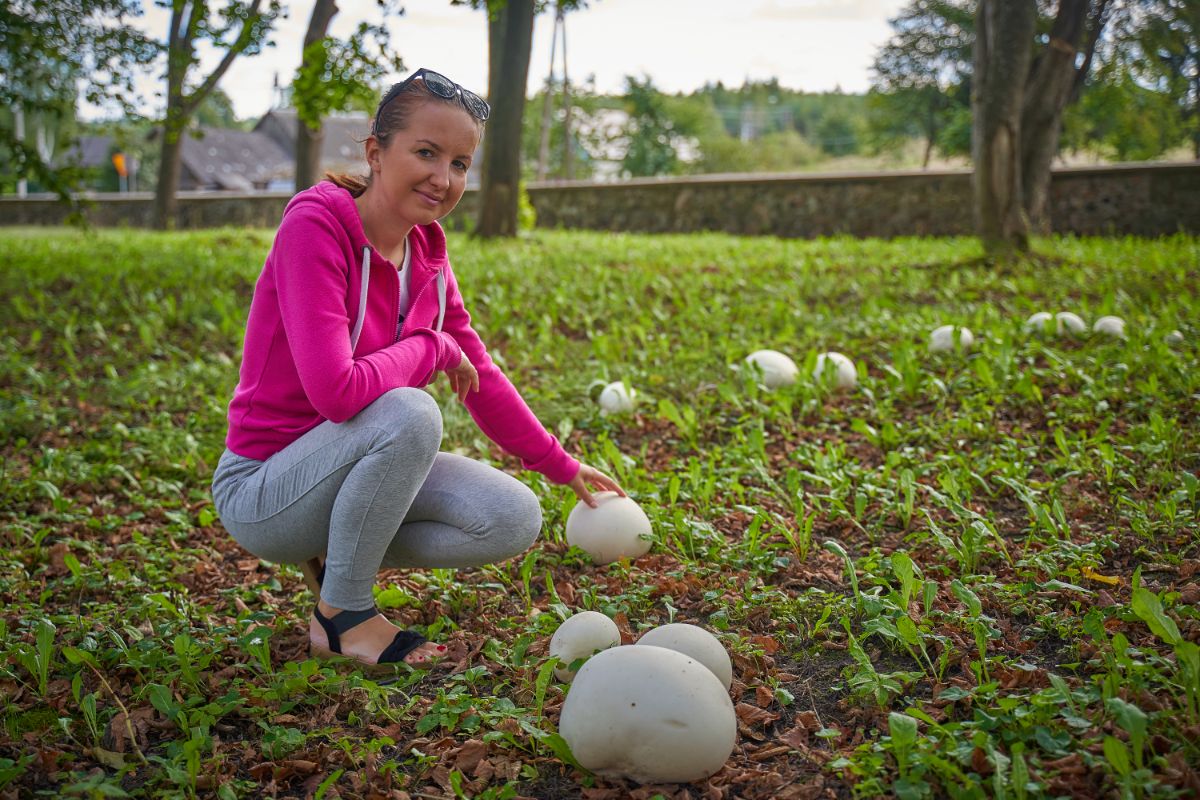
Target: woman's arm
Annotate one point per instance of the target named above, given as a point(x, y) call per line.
point(497, 408)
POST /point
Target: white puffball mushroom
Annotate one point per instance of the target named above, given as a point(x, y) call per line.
point(845, 375)
point(1110, 326)
point(1174, 337)
point(617, 398)
point(1067, 322)
point(942, 339)
point(579, 637)
point(776, 368)
point(694, 641)
point(617, 528)
point(1038, 322)
point(648, 714)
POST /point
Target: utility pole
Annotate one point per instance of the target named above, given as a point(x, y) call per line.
point(544, 139)
point(19, 125)
point(568, 153)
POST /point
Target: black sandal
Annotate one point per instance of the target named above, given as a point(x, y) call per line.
point(404, 643)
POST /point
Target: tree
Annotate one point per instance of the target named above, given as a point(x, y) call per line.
point(650, 148)
point(920, 74)
point(510, 39)
point(336, 75)
point(1056, 79)
point(53, 52)
point(216, 111)
point(1168, 36)
point(1003, 51)
point(239, 28)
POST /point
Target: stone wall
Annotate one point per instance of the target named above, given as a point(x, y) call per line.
point(1138, 199)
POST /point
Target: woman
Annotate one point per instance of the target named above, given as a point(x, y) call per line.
point(332, 449)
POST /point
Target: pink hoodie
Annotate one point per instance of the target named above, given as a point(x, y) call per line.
point(297, 366)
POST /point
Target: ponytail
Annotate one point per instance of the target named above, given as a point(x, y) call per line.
point(354, 184)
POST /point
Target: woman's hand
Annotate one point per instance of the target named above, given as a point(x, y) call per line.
point(590, 476)
point(463, 378)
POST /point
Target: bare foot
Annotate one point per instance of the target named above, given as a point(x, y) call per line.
point(365, 642)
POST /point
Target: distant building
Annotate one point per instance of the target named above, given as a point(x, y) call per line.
point(341, 149)
point(216, 159)
point(258, 160)
point(88, 152)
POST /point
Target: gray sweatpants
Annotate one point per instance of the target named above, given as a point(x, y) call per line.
point(374, 492)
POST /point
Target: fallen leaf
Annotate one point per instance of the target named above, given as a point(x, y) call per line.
point(751, 715)
point(108, 758)
point(469, 755)
point(1092, 575)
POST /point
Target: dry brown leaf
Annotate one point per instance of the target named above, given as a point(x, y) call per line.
point(752, 715)
point(470, 754)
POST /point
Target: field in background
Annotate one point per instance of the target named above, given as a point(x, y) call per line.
point(976, 575)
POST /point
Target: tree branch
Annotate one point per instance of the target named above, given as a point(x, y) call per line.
point(192, 101)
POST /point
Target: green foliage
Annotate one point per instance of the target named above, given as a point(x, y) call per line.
point(343, 75)
point(55, 51)
point(652, 134)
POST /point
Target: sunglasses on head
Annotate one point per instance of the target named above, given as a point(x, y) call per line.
point(443, 87)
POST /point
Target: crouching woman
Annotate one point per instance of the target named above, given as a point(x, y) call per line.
point(332, 455)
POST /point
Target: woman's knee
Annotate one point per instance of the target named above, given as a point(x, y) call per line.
point(409, 415)
point(518, 520)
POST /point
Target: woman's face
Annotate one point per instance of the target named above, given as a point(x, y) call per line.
point(422, 173)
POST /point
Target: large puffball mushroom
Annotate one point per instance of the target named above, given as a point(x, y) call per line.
point(579, 637)
point(776, 368)
point(1110, 326)
point(616, 528)
point(1174, 338)
point(694, 641)
point(617, 398)
point(943, 339)
point(845, 375)
point(1066, 322)
point(648, 714)
point(1038, 322)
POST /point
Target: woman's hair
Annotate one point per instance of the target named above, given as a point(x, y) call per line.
point(389, 118)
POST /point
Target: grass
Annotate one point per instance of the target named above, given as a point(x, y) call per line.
point(975, 575)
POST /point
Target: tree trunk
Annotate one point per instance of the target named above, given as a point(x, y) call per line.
point(166, 191)
point(188, 22)
point(510, 39)
point(1049, 89)
point(1003, 44)
point(184, 19)
point(309, 140)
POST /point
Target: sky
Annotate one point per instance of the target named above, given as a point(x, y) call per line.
point(810, 45)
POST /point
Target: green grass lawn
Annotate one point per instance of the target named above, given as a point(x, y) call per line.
point(974, 575)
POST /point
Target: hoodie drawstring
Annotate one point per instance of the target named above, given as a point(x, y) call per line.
point(362, 298)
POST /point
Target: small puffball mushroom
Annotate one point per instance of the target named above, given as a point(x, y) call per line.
point(1174, 337)
point(648, 714)
point(579, 637)
point(617, 398)
point(617, 528)
point(942, 339)
point(1067, 322)
point(1111, 326)
point(776, 368)
point(694, 641)
point(1038, 322)
point(845, 375)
